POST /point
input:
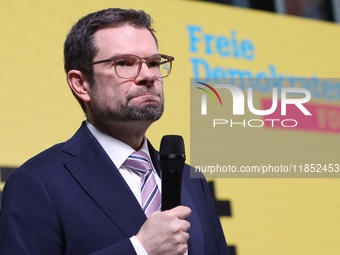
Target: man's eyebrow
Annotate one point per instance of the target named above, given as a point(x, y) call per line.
point(115, 55)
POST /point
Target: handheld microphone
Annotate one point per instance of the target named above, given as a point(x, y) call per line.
point(172, 158)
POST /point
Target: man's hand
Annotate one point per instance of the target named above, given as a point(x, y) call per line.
point(166, 232)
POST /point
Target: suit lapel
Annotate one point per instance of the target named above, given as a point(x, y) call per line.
point(196, 245)
point(101, 180)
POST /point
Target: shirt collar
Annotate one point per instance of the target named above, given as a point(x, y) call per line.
point(117, 150)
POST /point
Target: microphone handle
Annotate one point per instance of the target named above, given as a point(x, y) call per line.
point(171, 189)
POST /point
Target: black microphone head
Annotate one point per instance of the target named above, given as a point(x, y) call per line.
point(172, 153)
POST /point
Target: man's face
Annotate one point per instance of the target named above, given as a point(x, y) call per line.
point(115, 99)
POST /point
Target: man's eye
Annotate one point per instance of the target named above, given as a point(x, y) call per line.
point(124, 62)
point(153, 64)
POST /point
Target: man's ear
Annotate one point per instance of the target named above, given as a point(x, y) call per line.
point(78, 84)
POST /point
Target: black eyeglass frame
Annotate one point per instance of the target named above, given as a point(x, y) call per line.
point(113, 59)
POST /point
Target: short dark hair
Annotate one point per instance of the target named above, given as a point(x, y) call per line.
point(79, 48)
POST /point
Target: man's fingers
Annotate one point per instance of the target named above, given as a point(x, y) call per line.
point(186, 226)
point(181, 212)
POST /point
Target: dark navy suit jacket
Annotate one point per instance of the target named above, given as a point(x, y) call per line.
point(71, 199)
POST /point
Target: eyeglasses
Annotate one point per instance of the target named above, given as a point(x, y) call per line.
point(128, 66)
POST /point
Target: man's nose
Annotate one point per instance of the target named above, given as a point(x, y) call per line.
point(145, 76)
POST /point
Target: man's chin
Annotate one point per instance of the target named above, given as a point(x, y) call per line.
point(144, 117)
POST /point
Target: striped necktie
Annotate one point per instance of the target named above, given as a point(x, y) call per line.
point(139, 163)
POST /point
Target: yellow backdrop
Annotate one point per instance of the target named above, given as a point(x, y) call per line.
point(37, 110)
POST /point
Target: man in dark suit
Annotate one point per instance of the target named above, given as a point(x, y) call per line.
point(81, 196)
